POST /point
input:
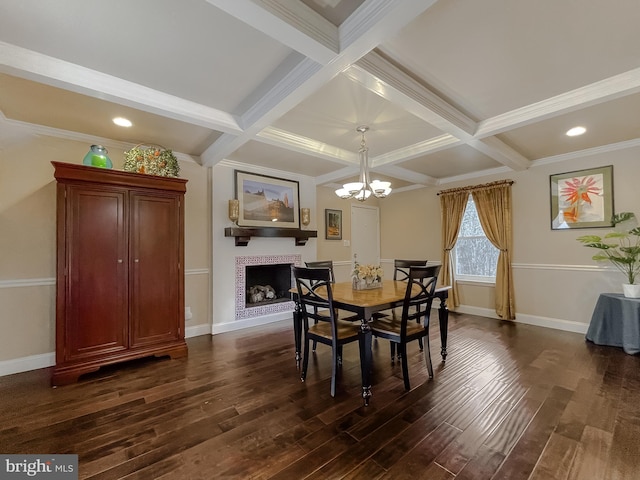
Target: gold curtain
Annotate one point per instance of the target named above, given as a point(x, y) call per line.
point(493, 203)
point(452, 207)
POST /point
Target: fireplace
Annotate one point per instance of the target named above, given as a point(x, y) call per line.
point(267, 283)
point(254, 273)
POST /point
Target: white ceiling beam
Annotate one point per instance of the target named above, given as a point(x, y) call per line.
point(35, 66)
point(406, 175)
point(385, 79)
point(416, 150)
point(291, 23)
point(501, 152)
point(377, 20)
point(308, 146)
point(618, 86)
point(374, 21)
point(381, 77)
point(276, 97)
point(337, 175)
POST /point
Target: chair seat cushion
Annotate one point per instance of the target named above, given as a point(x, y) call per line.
point(391, 326)
point(345, 329)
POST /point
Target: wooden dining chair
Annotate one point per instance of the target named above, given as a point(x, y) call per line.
point(413, 324)
point(401, 273)
point(323, 264)
point(315, 297)
point(401, 268)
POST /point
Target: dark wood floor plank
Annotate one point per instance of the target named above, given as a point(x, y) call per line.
point(524, 455)
point(369, 470)
point(511, 401)
point(456, 456)
point(592, 454)
point(556, 459)
point(483, 465)
point(419, 462)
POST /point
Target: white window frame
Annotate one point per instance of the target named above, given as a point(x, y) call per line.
point(465, 278)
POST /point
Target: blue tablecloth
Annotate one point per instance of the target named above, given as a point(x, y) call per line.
point(616, 322)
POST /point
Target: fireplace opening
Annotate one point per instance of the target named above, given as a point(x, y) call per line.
point(267, 284)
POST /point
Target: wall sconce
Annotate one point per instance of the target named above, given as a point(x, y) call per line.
point(234, 210)
point(305, 216)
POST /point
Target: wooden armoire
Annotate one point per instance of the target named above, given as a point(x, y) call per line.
point(120, 268)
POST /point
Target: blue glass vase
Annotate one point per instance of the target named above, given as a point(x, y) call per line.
point(97, 157)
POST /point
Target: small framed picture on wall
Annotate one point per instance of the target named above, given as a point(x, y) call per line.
point(332, 224)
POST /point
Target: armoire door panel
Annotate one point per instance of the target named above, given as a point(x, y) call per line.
point(154, 263)
point(97, 277)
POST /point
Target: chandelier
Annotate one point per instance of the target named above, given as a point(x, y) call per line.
point(364, 187)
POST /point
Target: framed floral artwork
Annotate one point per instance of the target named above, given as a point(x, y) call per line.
point(582, 199)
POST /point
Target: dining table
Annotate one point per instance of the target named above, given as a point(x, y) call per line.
point(365, 304)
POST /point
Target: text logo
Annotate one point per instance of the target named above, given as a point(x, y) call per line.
point(50, 467)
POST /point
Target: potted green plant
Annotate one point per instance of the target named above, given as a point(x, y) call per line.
point(620, 247)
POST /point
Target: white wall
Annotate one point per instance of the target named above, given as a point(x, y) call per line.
point(225, 251)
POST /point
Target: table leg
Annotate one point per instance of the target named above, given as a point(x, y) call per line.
point(364, 339)
point(443, 317)
point(297, 332)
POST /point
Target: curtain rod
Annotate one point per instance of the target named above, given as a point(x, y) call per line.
point(477, 187)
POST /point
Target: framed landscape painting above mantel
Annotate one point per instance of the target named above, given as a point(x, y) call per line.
point(267, 201)
point(582, 199)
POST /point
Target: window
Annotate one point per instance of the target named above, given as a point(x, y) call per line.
point(475, 257)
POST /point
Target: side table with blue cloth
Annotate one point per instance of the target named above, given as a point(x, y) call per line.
point(616, 322)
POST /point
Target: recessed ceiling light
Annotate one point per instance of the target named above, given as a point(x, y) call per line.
point(575, 131)
point(122, 122)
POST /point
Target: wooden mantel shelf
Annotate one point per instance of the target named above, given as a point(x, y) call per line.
point(244, 234)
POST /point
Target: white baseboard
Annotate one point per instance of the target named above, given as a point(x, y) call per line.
point(555, 323)
point(44, 360)
point(197, 330)
point(24, 364)
point(251, 322)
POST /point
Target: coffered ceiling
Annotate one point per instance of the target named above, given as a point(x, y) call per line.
point(450, 89)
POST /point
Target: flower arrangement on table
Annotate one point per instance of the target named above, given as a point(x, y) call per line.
point(367, 276)
point(152, 160)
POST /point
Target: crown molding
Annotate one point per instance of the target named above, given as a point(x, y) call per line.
point(62, 74)
point(621, 85)
point(474, 175)
point(612, 147)
point(44, 130)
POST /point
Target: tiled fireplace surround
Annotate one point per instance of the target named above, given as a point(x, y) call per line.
point(241, 262)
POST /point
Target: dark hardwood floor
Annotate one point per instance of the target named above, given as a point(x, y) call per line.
point(511, 402)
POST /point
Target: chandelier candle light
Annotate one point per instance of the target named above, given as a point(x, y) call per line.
point(364, 187)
